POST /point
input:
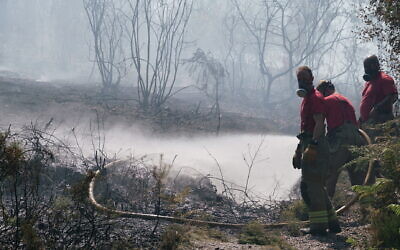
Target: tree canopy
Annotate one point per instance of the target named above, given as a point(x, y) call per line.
point(382, 22)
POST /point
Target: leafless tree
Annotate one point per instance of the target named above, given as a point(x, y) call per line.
point(287, 34)
point(156, 33)
point(352, 80)
point(107, 30)
point(203, 67)
point(234, 58)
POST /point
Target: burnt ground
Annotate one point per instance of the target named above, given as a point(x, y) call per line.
point(25, 100)
point(354, 235)
point(355, 228)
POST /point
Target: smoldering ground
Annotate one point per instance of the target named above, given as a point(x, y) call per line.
point(228, 156)
point(271, 174)
point(80, 123)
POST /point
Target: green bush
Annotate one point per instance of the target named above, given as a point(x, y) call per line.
point(293, 214)
point(297, 210)
point(385, 228)
point(254, 233)
point(382, 198)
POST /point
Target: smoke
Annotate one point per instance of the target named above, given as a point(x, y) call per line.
point(271, 176)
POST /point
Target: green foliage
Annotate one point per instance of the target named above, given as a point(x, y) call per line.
point(297, 210)
point(351, 241)
point(382, 23)
point(395, 209)
point(382, 198)
point(361, 156)
point(254, 233)
point(174, 236)
point(386, 228)
point(377, 195)
point(391, 159)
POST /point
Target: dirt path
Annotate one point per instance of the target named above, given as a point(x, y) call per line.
point(353, 236)
point(207, 245)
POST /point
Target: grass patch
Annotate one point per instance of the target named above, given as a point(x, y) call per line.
point(174, 237)
point(254, 233)
point(294, 214)
point(205, 234)
point(181, 236)
point(295, 211)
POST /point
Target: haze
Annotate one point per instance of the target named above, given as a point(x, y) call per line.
point(235, 59)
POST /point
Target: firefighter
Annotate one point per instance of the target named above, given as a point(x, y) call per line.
point(342, 132)
point(312, 156)
point(378, 95)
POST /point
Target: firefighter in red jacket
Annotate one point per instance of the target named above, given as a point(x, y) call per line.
point(378, 95)
point(312, 156)
point(342, 133)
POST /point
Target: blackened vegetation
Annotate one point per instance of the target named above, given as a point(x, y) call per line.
point(182, 115)
point(44, 197)
point(154, 189)
point(203, 67)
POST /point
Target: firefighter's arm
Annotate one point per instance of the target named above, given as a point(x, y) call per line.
point(389, 99)
point(310, 153)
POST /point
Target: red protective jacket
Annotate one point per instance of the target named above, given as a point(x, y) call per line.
point(374, 92)
point(338, 110)
point(313, 103)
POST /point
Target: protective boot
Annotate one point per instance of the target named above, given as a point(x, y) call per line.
point(314, 231)
point(334, 227)
point(318, 222)
point(333, 222)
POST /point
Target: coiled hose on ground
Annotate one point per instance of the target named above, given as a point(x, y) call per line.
point(127, 214)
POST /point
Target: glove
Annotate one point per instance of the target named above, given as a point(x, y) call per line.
point(296, 161)
point(310, 154)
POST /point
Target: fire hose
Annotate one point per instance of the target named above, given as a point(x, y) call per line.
point(127, 214)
